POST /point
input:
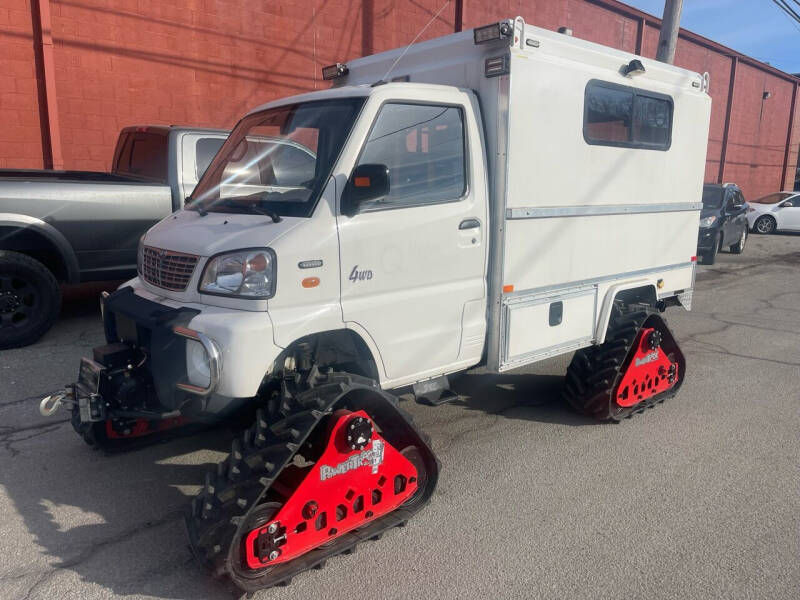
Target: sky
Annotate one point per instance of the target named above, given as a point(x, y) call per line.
point(757, 28)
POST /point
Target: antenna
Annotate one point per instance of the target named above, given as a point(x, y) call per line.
point(399, 58)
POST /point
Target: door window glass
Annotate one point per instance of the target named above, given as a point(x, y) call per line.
point(423, 147)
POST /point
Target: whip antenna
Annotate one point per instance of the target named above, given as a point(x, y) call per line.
point(397, 60)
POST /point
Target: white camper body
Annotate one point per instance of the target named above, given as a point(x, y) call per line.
point(571, 222)
point(582, 185)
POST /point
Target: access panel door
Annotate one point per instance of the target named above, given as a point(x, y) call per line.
point(413, 259)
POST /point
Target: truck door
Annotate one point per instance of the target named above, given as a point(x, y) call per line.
point(412, 261)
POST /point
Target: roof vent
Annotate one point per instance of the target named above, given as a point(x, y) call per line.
point(565, 30)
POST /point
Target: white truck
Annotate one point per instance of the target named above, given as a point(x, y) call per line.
point(496, 197)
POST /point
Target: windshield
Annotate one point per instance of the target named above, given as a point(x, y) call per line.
point(276, 162)
point(772, 198)
point(712, 196)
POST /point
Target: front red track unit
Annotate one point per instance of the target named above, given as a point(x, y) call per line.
point(649, 372)
point(358, 478)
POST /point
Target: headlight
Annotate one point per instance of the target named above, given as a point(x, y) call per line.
point(707, 221)
point(245, 274)
point(198, 368)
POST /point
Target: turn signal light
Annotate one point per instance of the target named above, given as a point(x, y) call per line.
point(310, 282)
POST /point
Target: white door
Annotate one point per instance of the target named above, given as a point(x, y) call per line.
point(412, 261)
point(789, 214)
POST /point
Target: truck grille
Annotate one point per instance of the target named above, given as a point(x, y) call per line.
point(167, 269)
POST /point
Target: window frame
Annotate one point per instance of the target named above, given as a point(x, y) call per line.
point(637, 92)
point(465, 145)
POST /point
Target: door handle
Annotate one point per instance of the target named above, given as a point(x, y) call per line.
point(469, 224)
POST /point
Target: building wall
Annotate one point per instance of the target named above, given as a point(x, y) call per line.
point(205, 62)
point(20, 124)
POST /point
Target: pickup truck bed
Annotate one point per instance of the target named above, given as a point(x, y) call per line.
point(75, 226)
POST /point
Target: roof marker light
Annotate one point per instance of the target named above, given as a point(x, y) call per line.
point(334, 71)
point(489, 33)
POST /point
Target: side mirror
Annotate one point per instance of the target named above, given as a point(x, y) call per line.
point(368, 182)
point(787, 204)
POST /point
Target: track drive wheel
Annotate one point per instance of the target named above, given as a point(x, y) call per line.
point(638, 366)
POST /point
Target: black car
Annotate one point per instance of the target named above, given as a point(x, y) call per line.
point(723, 221)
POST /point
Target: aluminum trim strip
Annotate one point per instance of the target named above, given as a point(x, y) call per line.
point(550, 212)
point(513, 297)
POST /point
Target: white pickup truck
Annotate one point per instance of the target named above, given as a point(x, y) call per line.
point(494, 197)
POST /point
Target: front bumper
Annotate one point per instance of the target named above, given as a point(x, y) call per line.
point(705, 239)
point(243, 341)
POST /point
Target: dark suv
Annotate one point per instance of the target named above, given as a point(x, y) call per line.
point(723, 221)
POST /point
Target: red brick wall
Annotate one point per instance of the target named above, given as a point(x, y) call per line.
point(205, 62)
point(20, 127)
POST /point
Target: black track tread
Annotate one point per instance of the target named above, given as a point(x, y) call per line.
point(232, 490)
point(595, 371)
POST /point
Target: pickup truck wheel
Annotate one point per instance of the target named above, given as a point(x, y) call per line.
point(30, 300)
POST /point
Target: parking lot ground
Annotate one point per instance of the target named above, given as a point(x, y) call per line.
point(697, 498)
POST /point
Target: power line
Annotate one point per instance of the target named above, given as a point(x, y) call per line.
point(791, 17)
point(787, 10)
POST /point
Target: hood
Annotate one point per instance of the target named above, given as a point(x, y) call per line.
point(709, 212)
point(186, 231)
point(762, 208)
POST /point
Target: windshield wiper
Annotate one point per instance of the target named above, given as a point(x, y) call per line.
point(188, 201)
point(234, 202)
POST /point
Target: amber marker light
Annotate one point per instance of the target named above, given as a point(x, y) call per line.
point(310, 282)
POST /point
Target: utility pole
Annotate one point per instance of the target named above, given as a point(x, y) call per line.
point(670, 24)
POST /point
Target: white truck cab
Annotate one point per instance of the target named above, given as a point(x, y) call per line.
point(496, 197)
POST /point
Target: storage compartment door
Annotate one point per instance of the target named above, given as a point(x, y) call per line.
point(548, 325)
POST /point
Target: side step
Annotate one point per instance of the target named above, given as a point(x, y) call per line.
point(434, 392)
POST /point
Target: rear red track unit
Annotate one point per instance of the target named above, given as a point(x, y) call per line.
point(650, 371)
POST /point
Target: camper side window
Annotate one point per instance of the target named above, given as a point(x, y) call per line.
point(423, 147)
point(618, 115)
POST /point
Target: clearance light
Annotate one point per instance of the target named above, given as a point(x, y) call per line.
point(489, 33)
point(496, 66)
point(334, 71)
point(507, 289)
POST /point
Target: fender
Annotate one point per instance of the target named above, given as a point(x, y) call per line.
point(53, 235)
point(645, 285)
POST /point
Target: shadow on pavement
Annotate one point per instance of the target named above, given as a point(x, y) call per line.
point(517, 396)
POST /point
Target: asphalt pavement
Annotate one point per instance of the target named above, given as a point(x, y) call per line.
point(697, 498)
